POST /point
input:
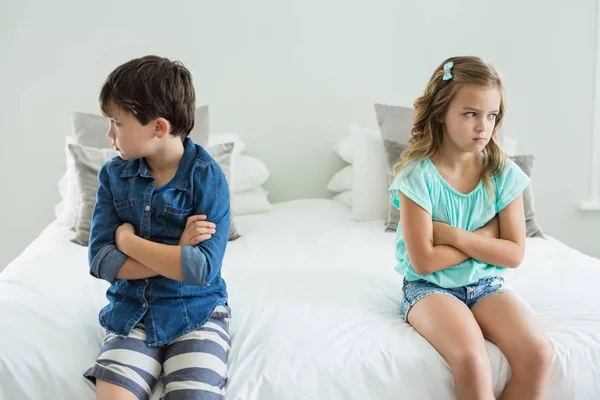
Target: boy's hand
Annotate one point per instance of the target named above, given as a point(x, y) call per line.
point(197, 229)
point(122, 232)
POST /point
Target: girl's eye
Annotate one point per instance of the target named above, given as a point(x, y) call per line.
point(115, 123)
point(493, 116)
point(470, 114)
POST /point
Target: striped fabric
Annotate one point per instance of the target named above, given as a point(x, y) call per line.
point(193, 366)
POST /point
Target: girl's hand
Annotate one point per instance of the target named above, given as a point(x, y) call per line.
point(122, 233)
point(491, 229)
point(441, 233)
point(197, 230)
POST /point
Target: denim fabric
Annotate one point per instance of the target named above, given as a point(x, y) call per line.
point(168, 308)
point(469, 294)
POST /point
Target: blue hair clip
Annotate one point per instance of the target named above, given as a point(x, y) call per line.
point(447, 71)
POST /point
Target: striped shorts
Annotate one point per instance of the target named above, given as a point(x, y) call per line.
point(193, 366)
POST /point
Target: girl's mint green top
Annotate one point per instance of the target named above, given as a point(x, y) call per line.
point(426, 187)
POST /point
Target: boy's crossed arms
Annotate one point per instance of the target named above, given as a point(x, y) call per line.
point(147, 259)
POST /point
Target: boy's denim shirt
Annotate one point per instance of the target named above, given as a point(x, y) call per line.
point(168, 308)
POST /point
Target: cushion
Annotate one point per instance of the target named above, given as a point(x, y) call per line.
point(90, 129)
point(249, 173)
point(89, 160)
point(370, 198)
point(344, 197)
point(525, 162)
point(251, 201)
point(342, 180)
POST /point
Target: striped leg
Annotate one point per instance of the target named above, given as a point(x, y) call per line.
point(195, 365)
point(128, 363)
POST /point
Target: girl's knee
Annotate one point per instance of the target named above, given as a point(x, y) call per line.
point(470, 362)
point(535, 359)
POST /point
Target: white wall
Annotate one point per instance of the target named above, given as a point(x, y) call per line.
point(289, 75)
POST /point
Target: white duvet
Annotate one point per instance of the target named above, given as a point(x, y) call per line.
point(316, 314)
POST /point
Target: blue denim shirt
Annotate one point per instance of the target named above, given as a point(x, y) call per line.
point(168, 308)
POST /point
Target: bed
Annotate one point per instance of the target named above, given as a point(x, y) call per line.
point(316, 314)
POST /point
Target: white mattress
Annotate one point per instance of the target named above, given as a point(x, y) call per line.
point(316, 314)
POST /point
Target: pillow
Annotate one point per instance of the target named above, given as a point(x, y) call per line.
point(525, 162)
point(89, 160)
point(223, 156)
point(395, 126)
point(370, 198)
point(218, 138)
point(395, 123)
point(345, 149)
point(66, 210)
point(249, 173)
point(344, 197)
point(251, 201)
point(509, 146)
point(90, 129)
point(392, 150)
point(342, 180)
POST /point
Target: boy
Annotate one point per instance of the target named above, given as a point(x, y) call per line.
point(152, 240)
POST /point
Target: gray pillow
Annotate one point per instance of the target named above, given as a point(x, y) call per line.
point(90, 129)
point(223, 154)
point(395, 125)
point(525, 162)
point(89, 160)
point(393, 150)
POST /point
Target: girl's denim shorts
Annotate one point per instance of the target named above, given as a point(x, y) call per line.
point(470, 294)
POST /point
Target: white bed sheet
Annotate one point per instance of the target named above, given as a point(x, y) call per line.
point(316, 314)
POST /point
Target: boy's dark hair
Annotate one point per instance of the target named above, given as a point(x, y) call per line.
point(151, 87)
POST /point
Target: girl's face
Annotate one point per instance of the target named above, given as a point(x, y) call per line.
point(471, 117)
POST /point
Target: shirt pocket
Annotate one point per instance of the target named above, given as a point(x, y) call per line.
point(126, 211)
point(175, 219)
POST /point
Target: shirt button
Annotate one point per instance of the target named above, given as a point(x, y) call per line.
point(147, 208)
point(147, 280)
point(144, 305)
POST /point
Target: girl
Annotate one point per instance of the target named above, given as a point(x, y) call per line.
point(462, 224)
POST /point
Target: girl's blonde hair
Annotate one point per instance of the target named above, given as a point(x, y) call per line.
point(430, 108)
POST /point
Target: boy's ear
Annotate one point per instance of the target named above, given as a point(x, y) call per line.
point(161, 127)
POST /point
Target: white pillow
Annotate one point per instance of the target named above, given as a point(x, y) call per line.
point(345, 149)
point(509, 145)
point(342, 180)
point(249, 173)
point(250, 201)
point(370, 196)
point(60, 206)
point(344, 197)
point(218, 138)
point(66, 210)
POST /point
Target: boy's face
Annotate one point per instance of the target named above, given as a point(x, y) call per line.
point(130, 138)
point(471, 116)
